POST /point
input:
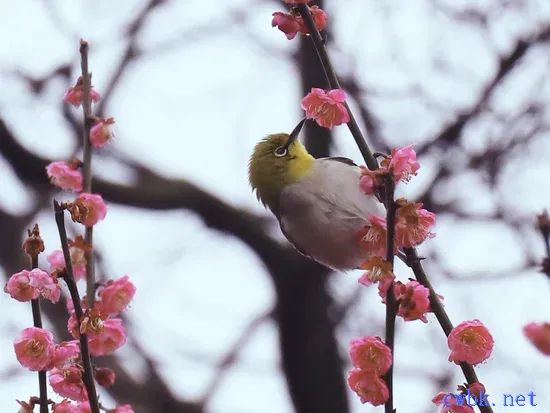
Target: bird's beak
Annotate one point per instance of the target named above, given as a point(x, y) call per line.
point(294, 134)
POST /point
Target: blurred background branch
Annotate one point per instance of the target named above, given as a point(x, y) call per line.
point(192, 90)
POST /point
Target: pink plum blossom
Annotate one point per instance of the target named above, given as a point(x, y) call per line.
point(57, 263)
point(19, 287)
point(377, 269)
point(402, 163)
point(372, 238)
point(112, 338)
point(64, 354)
point(88, 209)
point(68, 382)
point(116, 295)
point(470, 341)
point(413, 224)
point(287, 23)
point(101, 132)
point(369, 387)
point(34, 348)
point(413, 300)
point(65, 407)
point(65, 176)
point(45, 284)
point(370, 354)
point(75, 95)
point(327, 109)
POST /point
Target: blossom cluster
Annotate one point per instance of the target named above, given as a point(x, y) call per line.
point(470, 341)
point(413, 225)
point(35, 347)
point(371, 359)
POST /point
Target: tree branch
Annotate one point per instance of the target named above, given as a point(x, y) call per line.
point(68, 276)
point(33, 252)
point(391, 305)
point(87, 168)
point(334, 84)
point(413, 260)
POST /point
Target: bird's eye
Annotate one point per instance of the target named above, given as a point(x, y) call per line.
point(280, 151)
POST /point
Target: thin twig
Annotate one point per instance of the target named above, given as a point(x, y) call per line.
point(87, 167)
point(88, 376)
point(33, 246)
point(335, 84)
point(440, 314)
point(37, 321)
point(391, 305)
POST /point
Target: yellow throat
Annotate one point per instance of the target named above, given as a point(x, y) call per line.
point(272, 167)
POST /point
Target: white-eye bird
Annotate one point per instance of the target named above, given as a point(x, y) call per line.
point(317, 202)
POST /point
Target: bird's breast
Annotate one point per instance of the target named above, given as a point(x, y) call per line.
point(322, 213)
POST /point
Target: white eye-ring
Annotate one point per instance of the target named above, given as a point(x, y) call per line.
point(280, 151)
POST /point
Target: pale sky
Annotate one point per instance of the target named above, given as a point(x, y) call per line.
point(204, 92)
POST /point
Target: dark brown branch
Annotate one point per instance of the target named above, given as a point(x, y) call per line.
point(440, 314)
point(33, 246)
point(37, 322)
point(318, 140)
point(87, 167)
point(391, 305)
point(370, 120)
point(334, 84)
point(88, 375)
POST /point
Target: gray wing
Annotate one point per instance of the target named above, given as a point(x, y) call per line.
point(341, 159)
point(350, 162)
point(293, 243)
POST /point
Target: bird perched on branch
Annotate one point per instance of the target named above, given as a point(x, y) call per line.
point(317, 202)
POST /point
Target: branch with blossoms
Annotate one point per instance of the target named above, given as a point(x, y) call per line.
point(93, 320)
point(406, 226)
point(32, 285)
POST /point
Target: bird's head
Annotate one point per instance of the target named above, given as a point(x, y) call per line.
point(277, 161)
